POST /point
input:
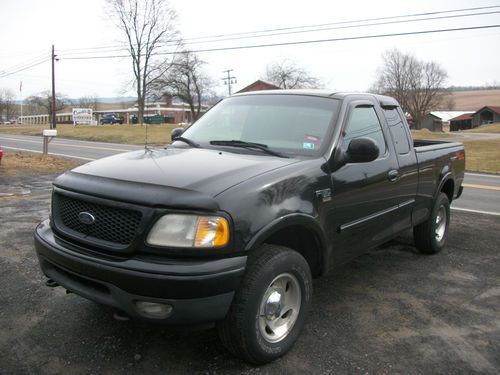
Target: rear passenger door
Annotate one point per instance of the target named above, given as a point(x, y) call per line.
point(364, 197)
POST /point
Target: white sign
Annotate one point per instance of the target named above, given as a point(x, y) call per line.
point(82, 116)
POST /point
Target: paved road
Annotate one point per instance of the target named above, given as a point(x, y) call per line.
point(65, 147)
point(481, 193)
point(475, 136)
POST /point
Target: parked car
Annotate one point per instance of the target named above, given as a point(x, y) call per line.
point(230, 223)
point(111, 118)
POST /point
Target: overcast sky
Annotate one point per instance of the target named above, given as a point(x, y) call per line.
point(28, 28)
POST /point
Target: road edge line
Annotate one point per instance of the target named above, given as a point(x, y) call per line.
point(50, 153)
point(475, 211)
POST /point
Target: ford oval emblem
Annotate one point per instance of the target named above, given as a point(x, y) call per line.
point(86, 218)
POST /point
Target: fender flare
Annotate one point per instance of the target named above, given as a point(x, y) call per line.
point(444, 177)
point(293, 220)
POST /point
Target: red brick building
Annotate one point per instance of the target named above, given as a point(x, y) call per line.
point(259, 86)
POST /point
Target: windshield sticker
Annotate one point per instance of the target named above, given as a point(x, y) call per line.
point(308, 146)
point(312, 139)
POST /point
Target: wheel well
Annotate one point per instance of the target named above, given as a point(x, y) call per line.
point(302, 240)
point(448, 189)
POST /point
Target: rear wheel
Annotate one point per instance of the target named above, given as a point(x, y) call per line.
point(270, 308)
point(430, 236)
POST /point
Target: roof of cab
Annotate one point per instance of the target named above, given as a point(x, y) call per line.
point(324, 93)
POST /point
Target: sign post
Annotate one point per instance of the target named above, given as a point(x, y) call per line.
point(82, 116)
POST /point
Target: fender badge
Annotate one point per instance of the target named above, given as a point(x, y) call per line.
point(325, 195)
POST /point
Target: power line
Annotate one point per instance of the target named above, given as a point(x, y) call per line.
point(25, 63)
point(214, 38)
point(347, 27)
point(300, 31)
point(373, 36)
point(354, 21)
point(6, 74)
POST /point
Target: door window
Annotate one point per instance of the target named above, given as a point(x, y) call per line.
point(365, 123)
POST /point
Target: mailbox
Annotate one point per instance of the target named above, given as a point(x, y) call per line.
point(49, 132)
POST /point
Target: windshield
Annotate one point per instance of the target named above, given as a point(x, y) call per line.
point(292, 124)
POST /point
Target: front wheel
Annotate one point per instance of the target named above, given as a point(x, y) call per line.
point(270, 308)
point(430, 236)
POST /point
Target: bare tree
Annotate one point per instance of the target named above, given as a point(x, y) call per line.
point(417, 85)
point(147, 25)
point(186, 80)
point(42, 102)
point(288, 75)
point(6, 103)
point(88, 102)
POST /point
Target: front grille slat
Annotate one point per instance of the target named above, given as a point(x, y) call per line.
point(115, 225)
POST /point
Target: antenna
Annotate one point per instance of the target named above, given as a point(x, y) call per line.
point(146, 139)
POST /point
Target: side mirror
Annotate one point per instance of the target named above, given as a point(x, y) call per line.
point(176, 133)
point(362, 150)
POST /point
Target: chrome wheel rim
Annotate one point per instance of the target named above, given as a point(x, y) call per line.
point(279, 308)
point(441, 219)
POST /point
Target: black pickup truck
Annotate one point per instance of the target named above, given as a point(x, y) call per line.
point(230, 223)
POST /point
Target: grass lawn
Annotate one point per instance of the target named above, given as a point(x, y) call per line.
point(480, 155)
point(131, 134)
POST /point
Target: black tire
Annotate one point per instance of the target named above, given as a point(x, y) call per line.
point(241, 331)
point(427, 236)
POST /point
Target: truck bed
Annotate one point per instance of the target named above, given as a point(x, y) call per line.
point(424, 145)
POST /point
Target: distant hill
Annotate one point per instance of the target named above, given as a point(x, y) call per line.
point(116, 99)
point(473, 100)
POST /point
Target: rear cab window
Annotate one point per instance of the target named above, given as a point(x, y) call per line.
point(398, 130)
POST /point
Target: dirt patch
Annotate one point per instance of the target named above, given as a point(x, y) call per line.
point(20, 162)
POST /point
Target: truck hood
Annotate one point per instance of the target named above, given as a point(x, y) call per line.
point(203, 170)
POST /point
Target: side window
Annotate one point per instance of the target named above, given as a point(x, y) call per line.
point(397, 130)
point(365, 123)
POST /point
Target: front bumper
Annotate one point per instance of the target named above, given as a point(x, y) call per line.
point(198, 291)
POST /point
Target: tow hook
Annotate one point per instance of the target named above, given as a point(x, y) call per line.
point(51, 283)
point(120, 316)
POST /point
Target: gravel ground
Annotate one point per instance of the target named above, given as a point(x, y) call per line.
point(390, 311)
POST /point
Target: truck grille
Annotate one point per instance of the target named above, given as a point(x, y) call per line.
point(112, 224)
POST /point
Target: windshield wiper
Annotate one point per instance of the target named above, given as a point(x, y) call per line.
point(244, 144)
point(188, 141)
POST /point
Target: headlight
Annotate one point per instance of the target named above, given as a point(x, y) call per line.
point(189, 231)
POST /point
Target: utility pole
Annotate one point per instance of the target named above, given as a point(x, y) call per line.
point(21, 94)
point(53, 122)
point(229, 80)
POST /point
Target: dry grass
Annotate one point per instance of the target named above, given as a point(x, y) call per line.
point(480, 155)
point(130, 134)
point(18, 162)
point(474, 100)
point(492, 128)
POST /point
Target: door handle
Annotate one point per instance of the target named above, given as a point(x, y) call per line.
point(393, 175)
